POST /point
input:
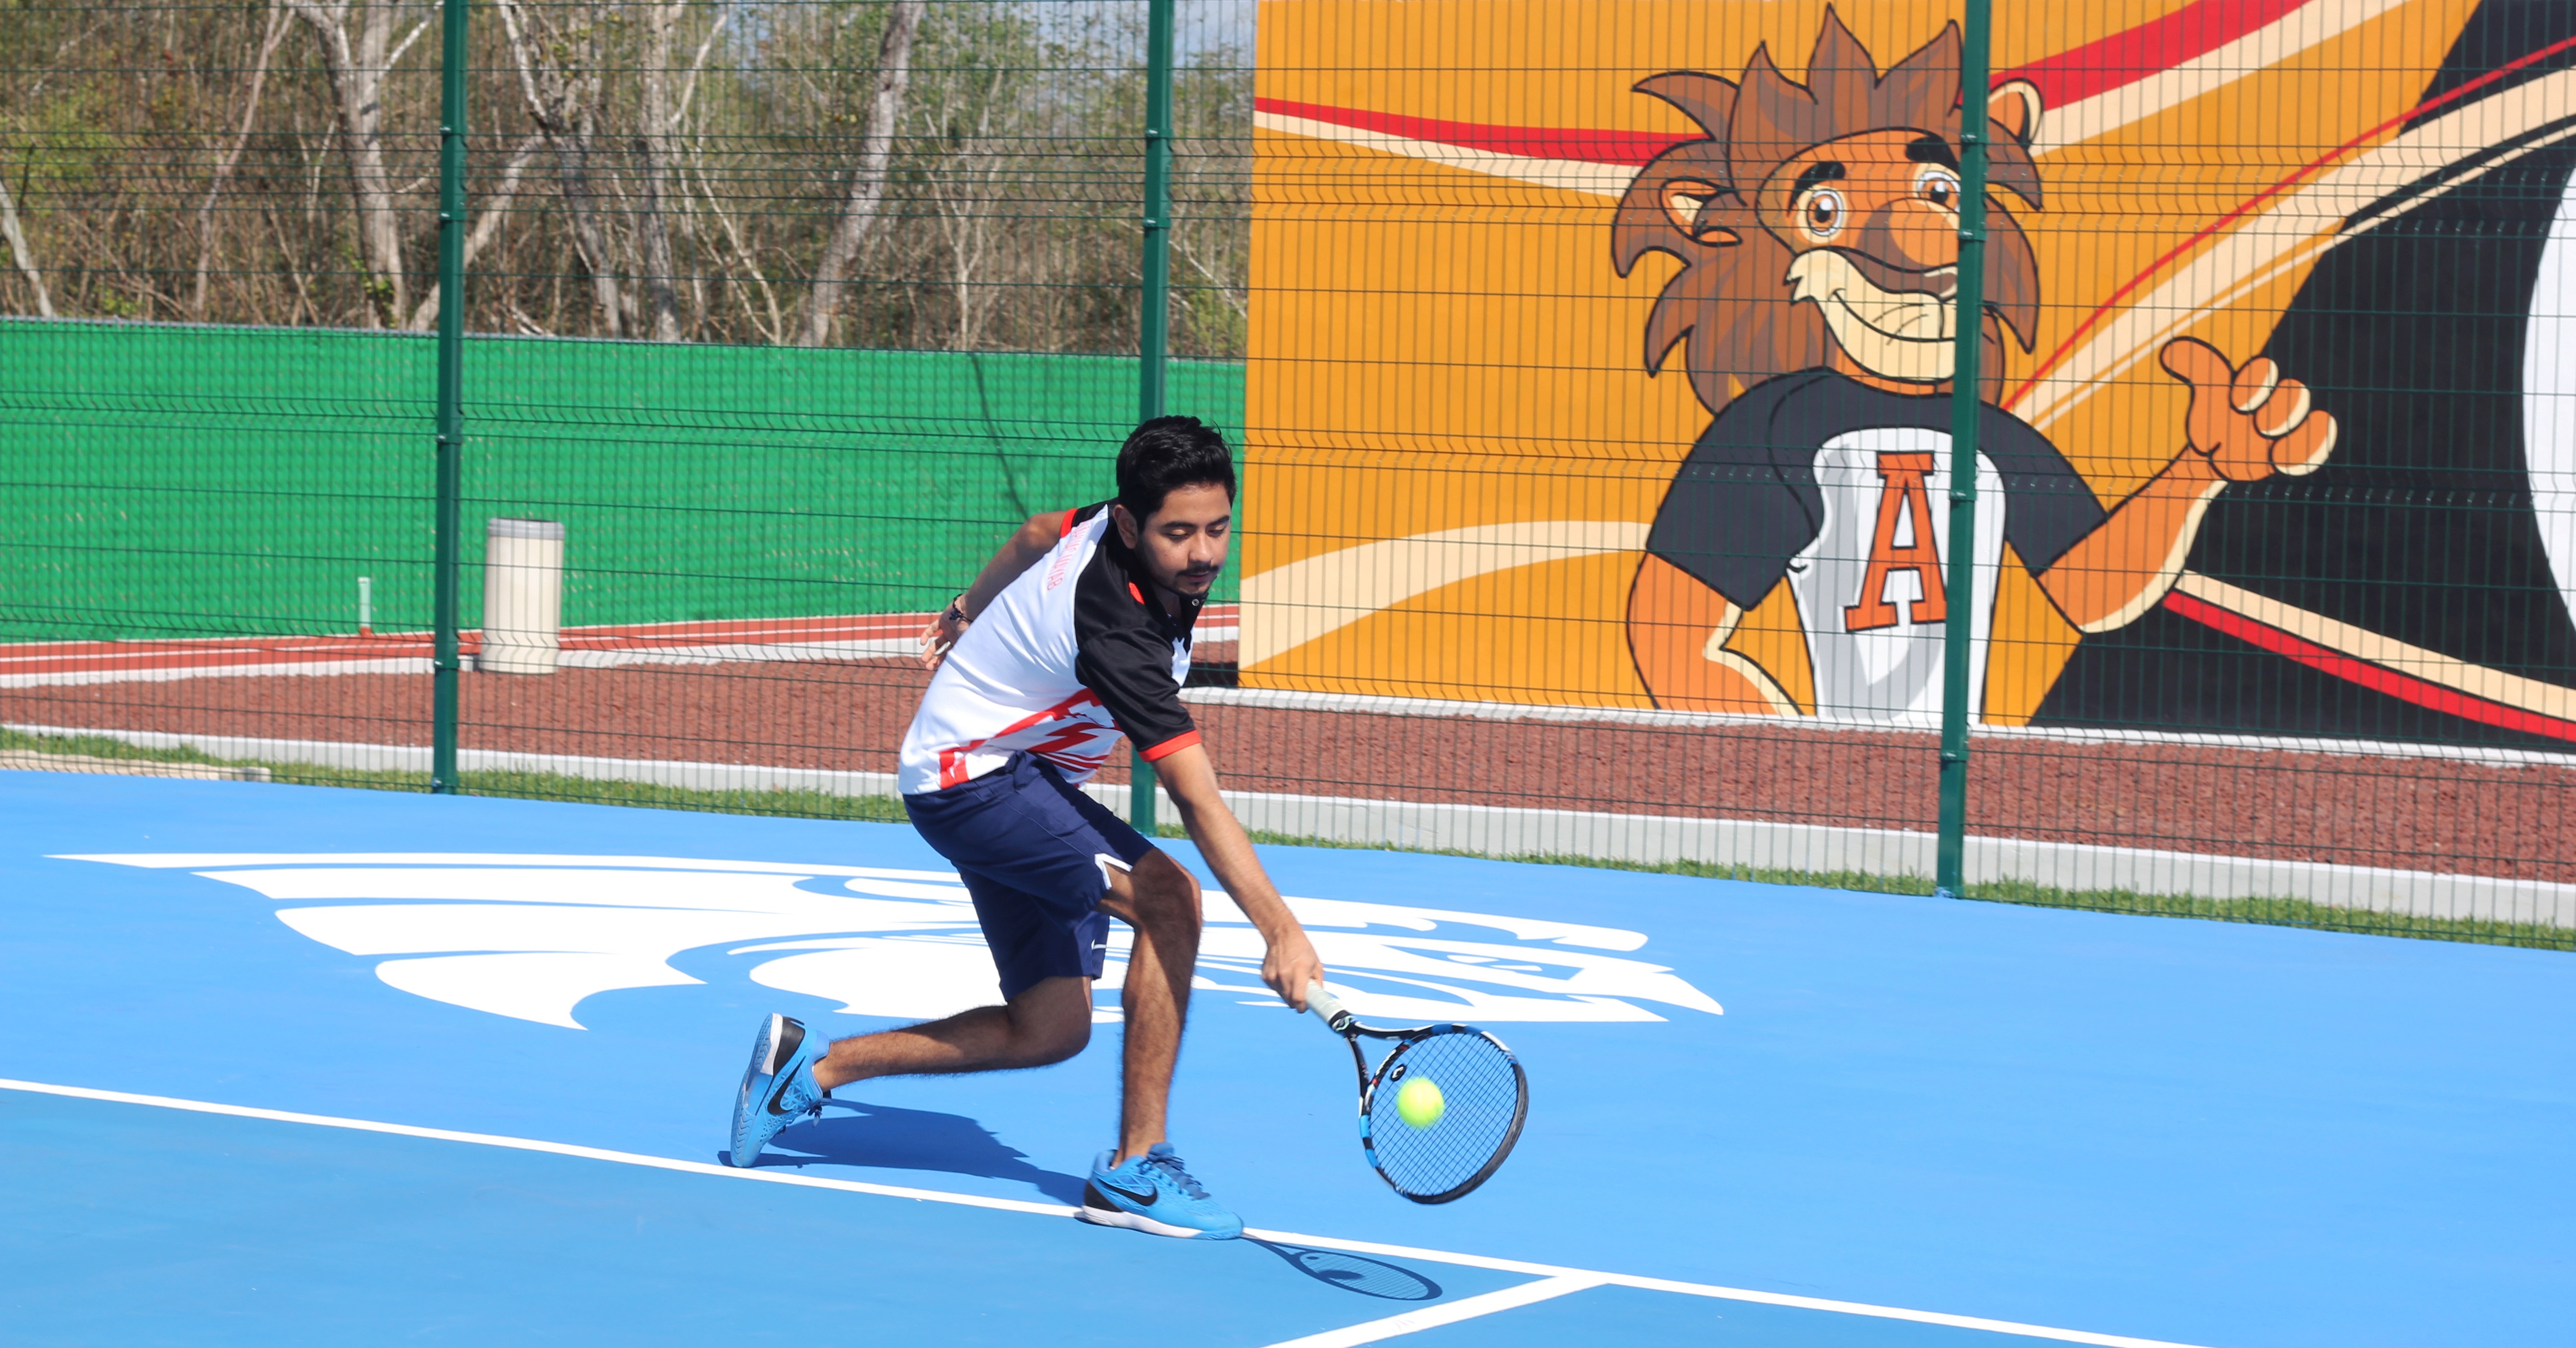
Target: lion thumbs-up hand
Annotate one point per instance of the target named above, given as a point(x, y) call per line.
point(2247, 420)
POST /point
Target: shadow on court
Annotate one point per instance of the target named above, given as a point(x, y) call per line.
point(888, 1138)
point(1354, 1273)
point(883, 1137)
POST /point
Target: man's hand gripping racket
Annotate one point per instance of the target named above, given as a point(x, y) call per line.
point(1442, 1109)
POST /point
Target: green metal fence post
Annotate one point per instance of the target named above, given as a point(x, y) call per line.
point(1958, 631)
point(1153, 322)
point(451, 391)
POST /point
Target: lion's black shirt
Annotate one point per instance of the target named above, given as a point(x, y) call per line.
point(1747, 502)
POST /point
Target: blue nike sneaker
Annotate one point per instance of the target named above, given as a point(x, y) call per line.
point(778, 1088)
point(1154, 1193)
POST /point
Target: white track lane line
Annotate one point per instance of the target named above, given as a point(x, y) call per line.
point(1449, 1313)
point(1587, 1277)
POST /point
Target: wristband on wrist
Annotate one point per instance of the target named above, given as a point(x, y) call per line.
point(957, 610)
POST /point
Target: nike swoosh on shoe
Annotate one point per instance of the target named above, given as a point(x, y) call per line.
point(1143, 1200)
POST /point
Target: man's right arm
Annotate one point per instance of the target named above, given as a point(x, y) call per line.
point(1288, 963)
point(1021, 551)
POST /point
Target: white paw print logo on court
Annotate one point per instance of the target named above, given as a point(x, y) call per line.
point(531, 936)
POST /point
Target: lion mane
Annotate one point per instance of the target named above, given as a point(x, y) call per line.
point(1730, 298)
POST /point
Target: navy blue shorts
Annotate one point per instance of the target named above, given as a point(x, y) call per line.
point(1035, 854)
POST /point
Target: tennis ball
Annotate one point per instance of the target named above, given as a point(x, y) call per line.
point(1419, 1103)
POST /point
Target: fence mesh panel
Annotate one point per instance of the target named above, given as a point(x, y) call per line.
point(1588, 364)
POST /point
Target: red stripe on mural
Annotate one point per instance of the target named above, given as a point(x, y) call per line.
point(2105, 64)
point(2377, 678)
point(2096, 67)
point(1631, 148)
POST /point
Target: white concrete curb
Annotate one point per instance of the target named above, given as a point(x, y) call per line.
point(1442, 709)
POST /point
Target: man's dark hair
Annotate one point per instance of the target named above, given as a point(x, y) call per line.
point(1168, 453)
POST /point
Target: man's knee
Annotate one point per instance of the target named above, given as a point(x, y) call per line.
point(1167, 896)
point(1050, 1022)
point(1054, 1044)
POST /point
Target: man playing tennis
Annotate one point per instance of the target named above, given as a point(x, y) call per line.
point(1077, 631)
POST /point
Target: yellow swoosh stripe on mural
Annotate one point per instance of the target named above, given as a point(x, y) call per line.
point(1288, 606)
point(1571, 175)
point(2494, 685)
point(2307, 26)
point(2293, 229)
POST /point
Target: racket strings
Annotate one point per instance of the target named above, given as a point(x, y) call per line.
point(1480, 1107)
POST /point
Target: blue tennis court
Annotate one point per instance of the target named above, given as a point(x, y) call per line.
point(294, 1065)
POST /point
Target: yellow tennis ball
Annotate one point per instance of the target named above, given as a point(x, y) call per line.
point(1419, 1103)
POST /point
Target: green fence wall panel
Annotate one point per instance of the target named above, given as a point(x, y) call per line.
point(178, 481)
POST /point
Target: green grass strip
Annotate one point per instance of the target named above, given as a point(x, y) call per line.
point(887, 809)
point(516, 785)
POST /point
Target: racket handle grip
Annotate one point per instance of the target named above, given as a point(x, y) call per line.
point(1327, 1007)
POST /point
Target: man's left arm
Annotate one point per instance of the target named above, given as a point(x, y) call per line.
point(1019, 552)
point(1290, 963)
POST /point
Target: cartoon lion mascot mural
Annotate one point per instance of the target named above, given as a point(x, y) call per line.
point(1817, 231)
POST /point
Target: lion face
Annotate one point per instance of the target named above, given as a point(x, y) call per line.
point(1818, 224)
point(1872, 225)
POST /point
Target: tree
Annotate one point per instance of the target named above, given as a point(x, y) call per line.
point(868, 180)
point(563, 96)
point(878, 172)
point(356, 65)
point(16, 236)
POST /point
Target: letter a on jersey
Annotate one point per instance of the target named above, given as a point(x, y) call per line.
point(1903, 504)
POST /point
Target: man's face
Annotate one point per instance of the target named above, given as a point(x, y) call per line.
point(1183, 544)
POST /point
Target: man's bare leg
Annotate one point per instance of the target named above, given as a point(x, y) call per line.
point(1048, 1023)
point(1051, 1021)
point(1160, 900)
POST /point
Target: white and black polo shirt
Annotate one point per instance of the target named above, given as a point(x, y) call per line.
point(1069, 656)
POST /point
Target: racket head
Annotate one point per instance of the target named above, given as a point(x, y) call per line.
point(1485, 1100)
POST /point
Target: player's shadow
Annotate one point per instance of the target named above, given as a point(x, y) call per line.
point(856, 1133)
point(1354, 1273)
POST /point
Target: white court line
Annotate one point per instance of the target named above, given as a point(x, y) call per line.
point(1449, 1313)
point(174, 673)
point(1589, 1277)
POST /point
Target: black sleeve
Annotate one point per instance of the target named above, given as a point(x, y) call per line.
point(1127, 663)
point(2047, 506)
point(1745, 502)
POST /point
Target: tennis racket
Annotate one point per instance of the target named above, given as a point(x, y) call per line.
point(1442, 1109)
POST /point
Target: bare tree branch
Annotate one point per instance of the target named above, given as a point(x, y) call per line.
point(689, 89)
point(564, 101)
point(1242, 306)
point(59, 65)
point(868, 180)
point(486, 226)
point(519, 59)
point(961, 184)
point(277, 25)
point(653, 141)
point(414, 35)
point(776, 329)
point(17, 238)
point(286, 250)
point(355, 69)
